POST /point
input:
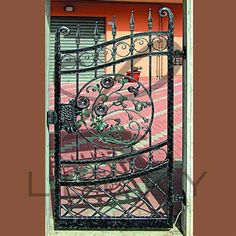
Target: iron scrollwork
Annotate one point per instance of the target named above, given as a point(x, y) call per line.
point(120, 49)
point(98, 109)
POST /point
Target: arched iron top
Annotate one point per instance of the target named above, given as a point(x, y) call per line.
point(117, 40)
point(163, 12)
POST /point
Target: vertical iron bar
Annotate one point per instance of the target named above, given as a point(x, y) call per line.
point(77, 58)
point(171, 112)
point(113, 168)
point(132, 42)
point(57, 127)
point(161, 57)
point(150, 66)
point(170, 117)
point(77, 84)
point(114, 44)
point(131, 149)
point(114, 68)
point(131, 164)
point(57, 89)
point(95, 165)
point(96, 35)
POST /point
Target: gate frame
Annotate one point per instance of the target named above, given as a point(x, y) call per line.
point(125, 222)
point(187, 216)
point(187, 173)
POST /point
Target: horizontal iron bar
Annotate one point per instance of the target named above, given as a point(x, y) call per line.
point(113, 223)
point(158, 53)
point(117, 158)
point(160, 33)
point(116, 179)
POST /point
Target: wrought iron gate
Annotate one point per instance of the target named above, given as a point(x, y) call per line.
point(117, 175)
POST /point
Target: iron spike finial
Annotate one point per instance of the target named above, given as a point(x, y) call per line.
point(150, 19)
point(114, 25)
point(78, 34)
point(96, 33)
point(132, 21)
point(96, 29)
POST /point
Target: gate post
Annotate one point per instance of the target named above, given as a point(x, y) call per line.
point(57, 127)
point(170, 120)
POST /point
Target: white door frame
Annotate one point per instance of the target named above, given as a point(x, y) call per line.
point(187, 216)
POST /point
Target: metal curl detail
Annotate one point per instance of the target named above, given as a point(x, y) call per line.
point(107, 82)
point(124, 46)
point(107, 57)
point(68, 61)
point(85, 57)
point(142, 42)
point(164, 11)
point(63, 30)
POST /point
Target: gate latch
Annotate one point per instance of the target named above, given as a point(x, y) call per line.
point(51, 117)
point(180, 198)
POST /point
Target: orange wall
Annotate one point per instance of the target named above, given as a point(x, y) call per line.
point(122, 12)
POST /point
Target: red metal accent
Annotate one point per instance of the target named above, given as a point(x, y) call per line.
point(136, 75)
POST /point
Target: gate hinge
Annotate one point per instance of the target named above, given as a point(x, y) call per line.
point(180, 198)
point(179, 56)
point(184, 52)
point(51, 117)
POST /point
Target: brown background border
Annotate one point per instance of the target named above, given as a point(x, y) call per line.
point(22, 117)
